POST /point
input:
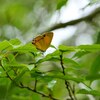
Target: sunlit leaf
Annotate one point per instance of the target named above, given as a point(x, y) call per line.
point(30, 67)
point(4, 62)
point(25, 48)
point(50, 57)
point(51, 84)
point(5, 45)
point(66, 48)
point(15, 41)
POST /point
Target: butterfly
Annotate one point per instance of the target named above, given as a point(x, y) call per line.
point(42, 42)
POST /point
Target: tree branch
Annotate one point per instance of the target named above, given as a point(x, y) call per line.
point(90, 16)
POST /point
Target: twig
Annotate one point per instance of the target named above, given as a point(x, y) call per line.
point(22, 86)
point(44, 95)
point(68, 86)
point(35, 80)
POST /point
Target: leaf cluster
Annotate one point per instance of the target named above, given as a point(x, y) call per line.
point(23, 66)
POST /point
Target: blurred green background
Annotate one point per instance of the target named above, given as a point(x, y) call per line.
point(24, 19)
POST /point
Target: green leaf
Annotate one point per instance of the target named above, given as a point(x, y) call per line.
point(19, 76)
point(92, 92)
point(11, 58)
point(2, 73)
point(5, 45)
point(4, 62)
point(15, 41)
point(25, 48)
point(61, 3)
point(30, 67)
point(16, 65)
point(51, 84)
point(93, 77)
point(3, 91)
point(51, 76)
point(91, 48)
point(11, 63)
point(50, 57)
point(79, 54)
point(36, 74)
point(66, 48)
point(68, 61)
point(95, 68)
point(69, 77)
point(52, 46)
point(94, 72)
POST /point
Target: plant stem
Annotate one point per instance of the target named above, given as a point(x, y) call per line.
point(68, 86)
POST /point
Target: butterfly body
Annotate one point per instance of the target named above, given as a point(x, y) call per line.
point(42, 42)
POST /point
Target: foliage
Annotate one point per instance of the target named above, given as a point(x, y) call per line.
point(68, 73)
point(27, 74)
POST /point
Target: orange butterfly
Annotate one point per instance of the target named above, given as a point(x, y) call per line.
point(42, 42)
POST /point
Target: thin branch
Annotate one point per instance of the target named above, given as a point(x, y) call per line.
point(26, 87)
point(44, 95)
point(35, 84)
point(87, 86)
point(35, 80)
point(66, 82)
point(76, 21)
point(68, 85)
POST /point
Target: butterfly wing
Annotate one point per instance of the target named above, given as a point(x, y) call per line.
point(42, 42)
point(37, 42)
point(47, 39)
